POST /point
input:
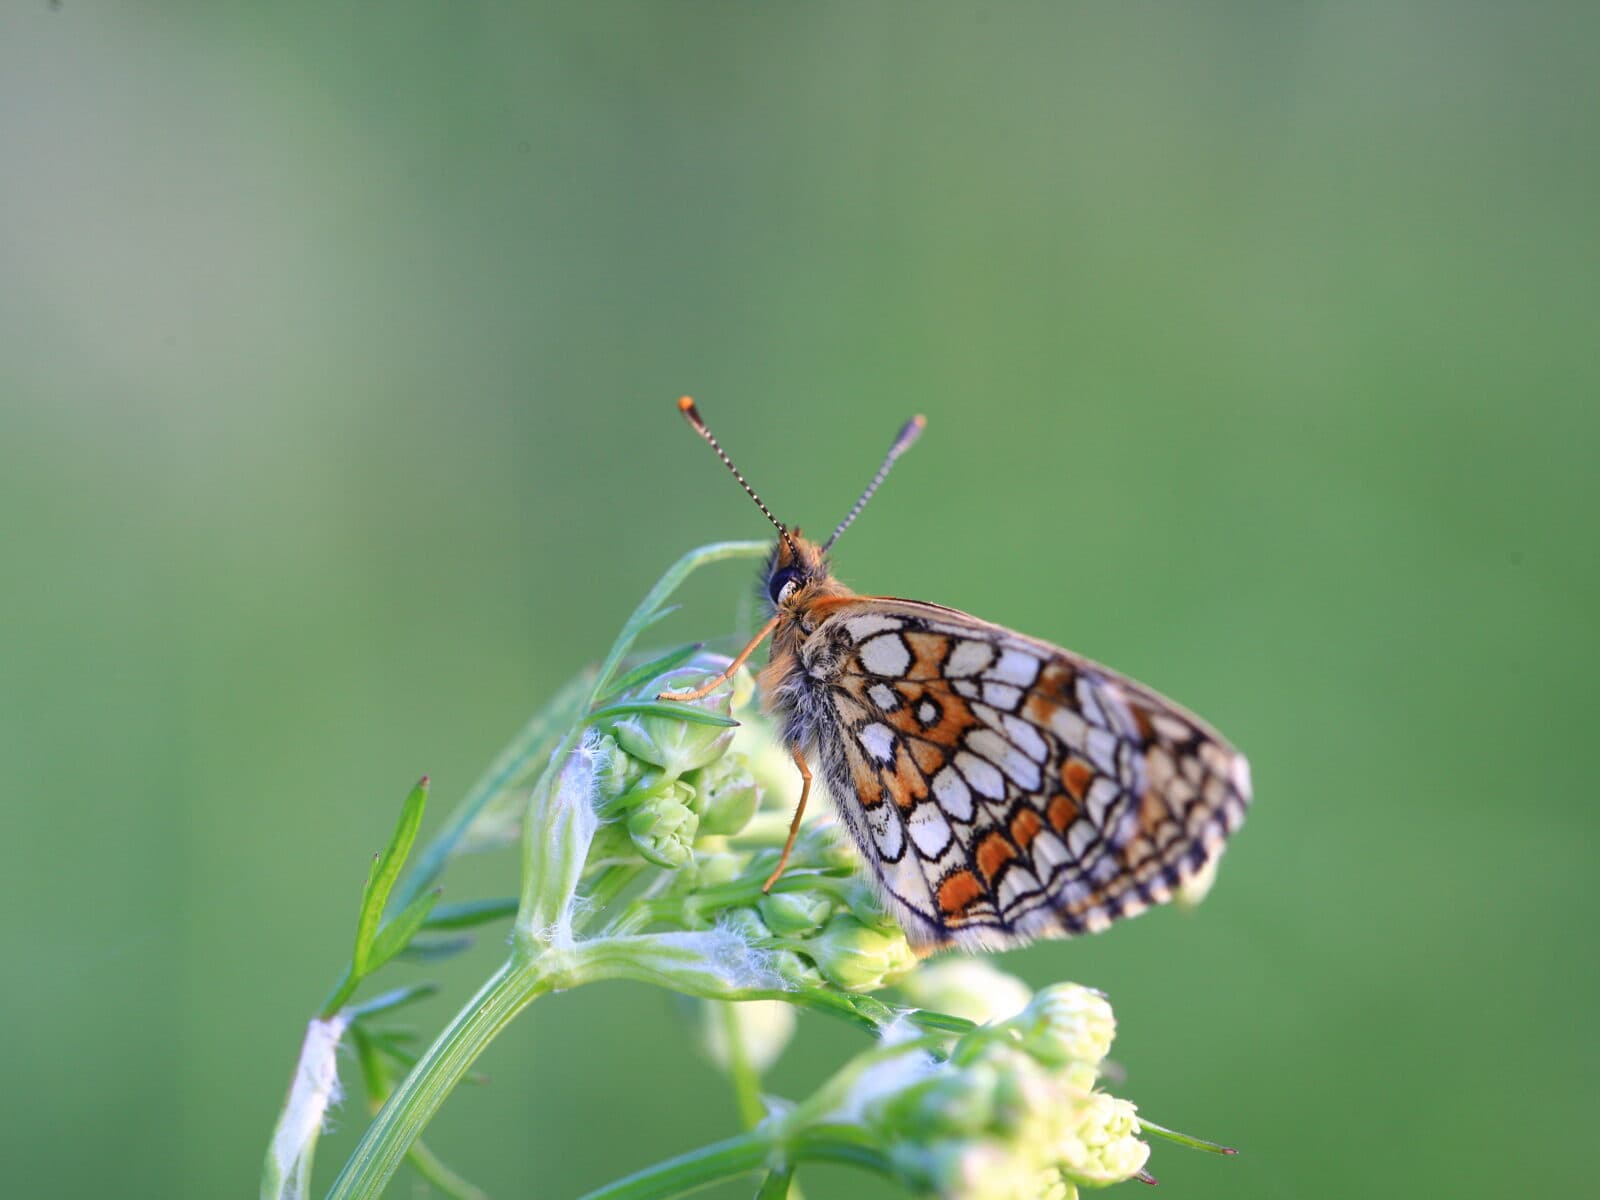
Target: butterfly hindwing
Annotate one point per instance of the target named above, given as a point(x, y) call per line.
point(1004, 788)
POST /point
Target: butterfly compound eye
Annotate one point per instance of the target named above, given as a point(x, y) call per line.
point(782, 584)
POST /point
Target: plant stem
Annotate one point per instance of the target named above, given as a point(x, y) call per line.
point(692, 1171)
point(743, 1154)
point(419, 1096)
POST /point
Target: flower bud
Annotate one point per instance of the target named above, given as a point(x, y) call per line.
point(763, 1028)
point(966, 987)
point(790, 914)
point(675, 745)
point(615, 770)
point(1067, 1025)
point(662, 826)
point(728, 794)
point(859, 957)
point(1101, 1145)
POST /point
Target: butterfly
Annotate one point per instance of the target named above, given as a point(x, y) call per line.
point(998, 787)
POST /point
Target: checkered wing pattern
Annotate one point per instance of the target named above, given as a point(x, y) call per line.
point(1004, 788)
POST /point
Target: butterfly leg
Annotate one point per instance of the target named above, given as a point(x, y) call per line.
point(794, 826)
point(712, 685)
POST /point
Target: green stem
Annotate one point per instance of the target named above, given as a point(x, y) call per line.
point(692, 1171)
point(419, 1096)
point(741, 1074)
point(746, 1153)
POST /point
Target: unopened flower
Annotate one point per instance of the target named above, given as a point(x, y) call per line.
point(763, 1028)
point(1102, 1144)
point(663, 825)
point(791, 913)
point(616, 771)
point(1068, 1026)
point(728, 795)
point(966, 987)
point(673, 744)
point(860, 957)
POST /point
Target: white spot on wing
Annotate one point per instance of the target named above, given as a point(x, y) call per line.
point(1026, 738)
point(861, 628)
point(927, 712)
point(950, 790)
point(878, 740)
point(1007, 757)
point(1047, 850)
point(1002, 695)
point(983, 777)
point(885, 654)
point(1080, 836)
point(968, 658)
point(886, 834)
point(1016, 883)
point(1241, 775)
point(930, 832)
point(1016, 667)
point(1069, 727)
point(1102, 792)
point(1103, 750)
point(884, 696)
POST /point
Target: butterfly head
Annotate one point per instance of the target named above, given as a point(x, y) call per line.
point(797, 572)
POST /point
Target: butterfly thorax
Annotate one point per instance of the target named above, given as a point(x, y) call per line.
point(798, 582)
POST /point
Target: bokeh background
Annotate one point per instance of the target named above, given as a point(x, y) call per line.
point(338, 346)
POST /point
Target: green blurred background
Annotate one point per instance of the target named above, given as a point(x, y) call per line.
point(338, 346)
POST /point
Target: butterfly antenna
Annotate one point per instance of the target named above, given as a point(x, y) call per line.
point(902, 442)
point(692, 415)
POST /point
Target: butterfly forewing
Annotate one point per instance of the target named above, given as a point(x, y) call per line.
point(1005, 788)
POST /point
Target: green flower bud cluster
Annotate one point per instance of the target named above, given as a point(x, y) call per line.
point(1008, 1111)
point(667, 781)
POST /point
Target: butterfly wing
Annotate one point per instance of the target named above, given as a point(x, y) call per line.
point(1004, 788)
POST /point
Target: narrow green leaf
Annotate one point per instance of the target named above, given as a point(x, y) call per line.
point(401, 928)
point(471, 913)
point(1184, 1139)
point(384, 872)
point(426, 949)
point(662, 708)
point(389, 1001)
point(656, 666)
point(519, 764)
point(649, 609)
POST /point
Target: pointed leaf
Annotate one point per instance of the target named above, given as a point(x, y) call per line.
point(384, 872)
point(470, 913)
point(687, 713)
point(389, 1001)
point(400, 929)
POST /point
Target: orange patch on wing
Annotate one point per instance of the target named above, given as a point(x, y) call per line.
point(1062, 812)
point(1076, 776)
point(1152, 811)
point(959, 892)
point(994, 852)
point(869, 788)
point(905, 782)
point(955, 718)
point(927, 756)
point(927, 652)
point(1057, 680)
point(1025, 827)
